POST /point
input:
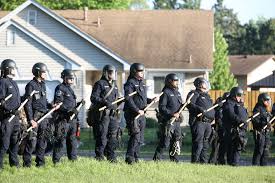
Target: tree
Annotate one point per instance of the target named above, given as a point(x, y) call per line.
point(227, 21)
point(71, 4)
point(139, 5)
point(177, 4)
point(220, 77)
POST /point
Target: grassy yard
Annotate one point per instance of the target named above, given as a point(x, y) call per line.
point(151, 140)
point(89, 170)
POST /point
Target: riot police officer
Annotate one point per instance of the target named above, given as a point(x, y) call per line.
point(261, 132)
point(200, 126)
point(216, 137)
point(65, 128)
point(169, 106)
point(234, 123)
point(105, 127)
point(35, 108)
point(133, 107)
point(9, 130)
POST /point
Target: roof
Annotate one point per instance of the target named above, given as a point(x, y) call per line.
point(181, 39)
point(3, 13)
point(244, 64)
point(267, 82)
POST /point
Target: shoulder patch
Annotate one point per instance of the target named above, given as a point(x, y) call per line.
point(58, 93)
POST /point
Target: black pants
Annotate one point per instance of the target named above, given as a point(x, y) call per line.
point(261, 149)
point(169, 135)
point(105, 131)
point(231, 148)
point(136, 136)
point(9, 140)
point(200, 141)
point(68, 130)
point(36, 142)
point(215, 145)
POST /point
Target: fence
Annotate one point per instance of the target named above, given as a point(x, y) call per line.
point(250, 98)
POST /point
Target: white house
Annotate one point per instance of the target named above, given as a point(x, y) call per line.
point(85, 40)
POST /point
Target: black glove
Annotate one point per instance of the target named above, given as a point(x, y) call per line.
point(74, 111)
point(49, 106)
point(220, 104)
point(3, 103)
point(82, 101)
point(16, 112)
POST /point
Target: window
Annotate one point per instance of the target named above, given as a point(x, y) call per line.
point(11, 37)
point(158, 84)
point(32, 17)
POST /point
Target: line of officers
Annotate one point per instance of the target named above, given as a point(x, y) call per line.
point(227, 118)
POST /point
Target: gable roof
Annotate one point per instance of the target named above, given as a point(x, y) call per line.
point(244, 64)
point(69, 25)
point(267, 82)
point(181, 39)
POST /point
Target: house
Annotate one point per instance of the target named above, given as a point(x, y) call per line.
point(85, 40)
point(249, 69)
point(266, 84)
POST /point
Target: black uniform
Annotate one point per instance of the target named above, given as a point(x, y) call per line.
point(170, 134)
point(64, 127)
point(106, 123)
point(200, 126)
point(217, 135)
point(234, 114)
point(35, 108)
point(132, 106)
point(261, 135)
point(9, 130)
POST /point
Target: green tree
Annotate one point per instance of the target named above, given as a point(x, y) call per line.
point(71, 4)
point(177, 4)
point(227, 21)
point(220, 77)
point(139, 5)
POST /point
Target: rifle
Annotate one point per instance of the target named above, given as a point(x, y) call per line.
point(148, 106)
point(213, 107)
point(118, 100)
point(7, 98)
point(39, 121)
point(270, 122)
point(23, 104)
point(78, 109)
point(249, 119)
point(183, 107)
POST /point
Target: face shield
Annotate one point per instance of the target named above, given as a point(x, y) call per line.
point(111, 75)
point(206, 86)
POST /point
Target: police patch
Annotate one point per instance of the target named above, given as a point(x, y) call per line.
point(10, 86)
point(58, 93)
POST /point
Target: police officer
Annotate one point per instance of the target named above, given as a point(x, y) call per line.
point(216, 137)
point(9, 130)
point(105, 92)
point(64, 127)
point(35, 108)
point(134, 106)
point(200, 126)
point(260, 132)
point(234, 115)
point(169, 106)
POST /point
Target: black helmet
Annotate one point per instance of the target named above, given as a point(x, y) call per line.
point(169, 78)
point(38, 68)
point(108, 69)
point(236, 91)
point(6, 67)
point(263, 97)
point(68, 73)
point(135, 67)
point(199, 81)
point(225, 95)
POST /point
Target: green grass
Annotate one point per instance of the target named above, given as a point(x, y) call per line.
point(151, 140)
point(89, 170)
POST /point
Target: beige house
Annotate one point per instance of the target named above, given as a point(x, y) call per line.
point(85, 40)
point(249, 69)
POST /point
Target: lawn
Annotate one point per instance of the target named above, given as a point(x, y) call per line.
point(89, 170)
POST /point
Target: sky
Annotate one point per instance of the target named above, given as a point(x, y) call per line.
point(246, 9)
